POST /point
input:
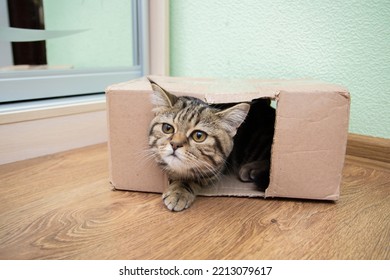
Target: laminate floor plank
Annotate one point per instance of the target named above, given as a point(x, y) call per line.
point(63, 207)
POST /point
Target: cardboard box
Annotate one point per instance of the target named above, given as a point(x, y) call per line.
point(309, 142)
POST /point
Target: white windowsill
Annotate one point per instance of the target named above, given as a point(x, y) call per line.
point(34, 110)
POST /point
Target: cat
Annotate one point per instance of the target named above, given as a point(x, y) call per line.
point(195, 143)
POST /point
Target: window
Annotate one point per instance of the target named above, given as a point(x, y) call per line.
point(61, 48)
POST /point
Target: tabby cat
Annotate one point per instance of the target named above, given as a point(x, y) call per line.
point(195, 143)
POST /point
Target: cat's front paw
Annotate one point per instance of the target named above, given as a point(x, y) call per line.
point(178, 198)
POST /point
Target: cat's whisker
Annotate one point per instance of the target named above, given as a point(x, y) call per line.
point(146, 157)
point(201, 168)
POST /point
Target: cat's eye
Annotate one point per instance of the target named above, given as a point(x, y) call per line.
point(167, 128)
point(199, 136)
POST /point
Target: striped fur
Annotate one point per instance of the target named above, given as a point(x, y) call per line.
point(192, 142)
point(190, 164)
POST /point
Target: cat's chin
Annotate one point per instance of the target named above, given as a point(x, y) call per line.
point(175, 164)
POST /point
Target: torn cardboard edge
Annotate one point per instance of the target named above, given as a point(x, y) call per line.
point(309, 144)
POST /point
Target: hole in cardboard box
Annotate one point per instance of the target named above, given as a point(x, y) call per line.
point(248, 166)
point(249, 163)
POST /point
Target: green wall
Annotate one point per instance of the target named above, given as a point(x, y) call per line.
point(344, 42)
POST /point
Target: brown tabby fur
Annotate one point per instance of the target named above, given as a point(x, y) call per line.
point(195, 143)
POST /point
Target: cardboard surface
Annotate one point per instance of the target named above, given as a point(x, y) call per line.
point(309, 142)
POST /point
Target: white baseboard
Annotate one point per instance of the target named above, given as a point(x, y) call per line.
point(29, 139)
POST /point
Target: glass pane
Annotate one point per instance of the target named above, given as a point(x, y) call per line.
point(78, 34)
point(106, 41)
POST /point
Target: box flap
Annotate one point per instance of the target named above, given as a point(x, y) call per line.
point(309, 145)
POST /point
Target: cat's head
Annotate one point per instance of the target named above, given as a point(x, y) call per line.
point(189, 138)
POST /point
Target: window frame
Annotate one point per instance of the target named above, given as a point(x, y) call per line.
point(43, 127)
point(41, 84)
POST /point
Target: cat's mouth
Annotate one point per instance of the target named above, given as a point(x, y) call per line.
point(172, 158)
point(175, 164)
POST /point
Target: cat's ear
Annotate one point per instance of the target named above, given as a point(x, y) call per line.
point(162, 99)
point(233, 117)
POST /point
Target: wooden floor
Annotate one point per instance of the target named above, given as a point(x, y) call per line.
point(62, 207)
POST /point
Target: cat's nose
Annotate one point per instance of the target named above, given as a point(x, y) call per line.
point(176, 145)
point(178, 139)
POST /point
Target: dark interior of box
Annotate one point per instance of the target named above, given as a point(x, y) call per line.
point(250, 159)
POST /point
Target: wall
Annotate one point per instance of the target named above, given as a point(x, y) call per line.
point(344, 42)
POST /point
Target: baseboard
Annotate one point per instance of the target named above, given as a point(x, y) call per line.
point(368, 147)
point(30, 139)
